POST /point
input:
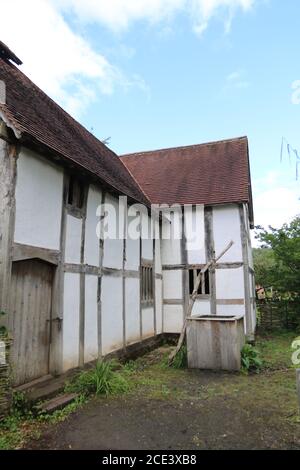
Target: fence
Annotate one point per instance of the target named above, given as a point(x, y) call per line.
point(5, 386)
point(278, 314)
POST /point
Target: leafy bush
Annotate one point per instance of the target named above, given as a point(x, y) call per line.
point(179, 361)
point(103, 379)
point(251, 360)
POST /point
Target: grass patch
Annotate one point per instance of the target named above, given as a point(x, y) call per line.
point(103, 379)
point(275, 348)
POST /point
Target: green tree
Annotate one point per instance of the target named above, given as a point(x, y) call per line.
point(264, 266)
point(285, 246)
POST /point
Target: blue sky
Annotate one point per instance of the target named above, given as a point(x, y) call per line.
point(153, 74)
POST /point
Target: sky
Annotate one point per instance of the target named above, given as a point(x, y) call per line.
point(151, 74)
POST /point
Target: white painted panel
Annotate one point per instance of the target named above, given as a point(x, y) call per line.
point(132, 254)
point(230, 310)
point(113, 244)
point(171, 251)
point(91, 249)
point(159, 307)
point(132, 309)
point(172, 284)
point(38, 201)
point(158, 267)
point(112, 323)
point(230, 283)
point(226, 227)
point(71, 321)
point(171, 240)
point(173, 318)
point(91, 319)
point(73, 239)
point(147, 322)
point(195, 234)
point(201, 307)
point(147, 249)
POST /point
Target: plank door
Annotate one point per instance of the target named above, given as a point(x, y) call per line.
point(30, 313)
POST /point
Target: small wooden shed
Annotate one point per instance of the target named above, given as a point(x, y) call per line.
point(215, 342)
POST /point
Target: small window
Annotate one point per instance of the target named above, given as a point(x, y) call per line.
point(75, 193)
point(204, 288)
point(147, 294)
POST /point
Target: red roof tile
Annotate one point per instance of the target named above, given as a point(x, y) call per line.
point(40, 120)
point(213, 173)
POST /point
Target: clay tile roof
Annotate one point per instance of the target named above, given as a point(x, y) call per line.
point(212, 173)
point(37, 119)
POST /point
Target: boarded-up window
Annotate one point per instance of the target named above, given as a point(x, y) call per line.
point(204, 287)
point(75, 193)
point(147, 294)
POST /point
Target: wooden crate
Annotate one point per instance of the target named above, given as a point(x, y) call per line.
point(215, 342)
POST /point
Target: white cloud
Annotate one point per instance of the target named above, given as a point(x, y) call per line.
point(65, 65)
point(119, 14)
point(60, 61)
point(237, 79)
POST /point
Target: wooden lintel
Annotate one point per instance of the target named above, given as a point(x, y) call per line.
point(173, 301)
point(24, 252)
point(174, 267)
point(230, 302)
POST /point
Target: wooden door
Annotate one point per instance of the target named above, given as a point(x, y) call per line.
point(30, 313)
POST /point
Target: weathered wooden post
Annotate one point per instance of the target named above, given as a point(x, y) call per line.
point(5, 384)
point(298, 385)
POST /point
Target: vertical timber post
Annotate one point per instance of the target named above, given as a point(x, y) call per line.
point(298, 385)
point(210, 255)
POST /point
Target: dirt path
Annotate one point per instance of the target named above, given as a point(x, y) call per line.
point(181, 409)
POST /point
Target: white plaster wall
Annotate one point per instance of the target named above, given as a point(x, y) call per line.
point(147, 249)
point(113, 247)
point(195, 234)
point(226, 227)
point(71, 321)
point(132, 254)
point(73, 239)
point(172, 284)
point(147, 322)
point(158, 264)
point(230, 283)
point(171, 247)
point(132, 309)
point(173, 318)
point(159, 307)
point(38, 201)
point(230, 310)
point(112, 323)
point(201, 307)
point(91, 248)
point(91, 319)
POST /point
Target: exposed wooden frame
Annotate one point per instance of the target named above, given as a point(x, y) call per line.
point(85, 190)
point(210, 255)
point(174, 267)
point(22, 252)
point(9, 153)
point(124, 257)
point(244, 241)
point(56, 345)
point(230, 301)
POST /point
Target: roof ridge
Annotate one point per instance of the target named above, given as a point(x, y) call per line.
point(181, 147)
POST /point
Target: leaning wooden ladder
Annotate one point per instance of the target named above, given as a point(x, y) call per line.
point(199, 280)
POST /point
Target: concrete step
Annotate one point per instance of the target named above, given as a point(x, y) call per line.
point(57, 403)
point(45, 388)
